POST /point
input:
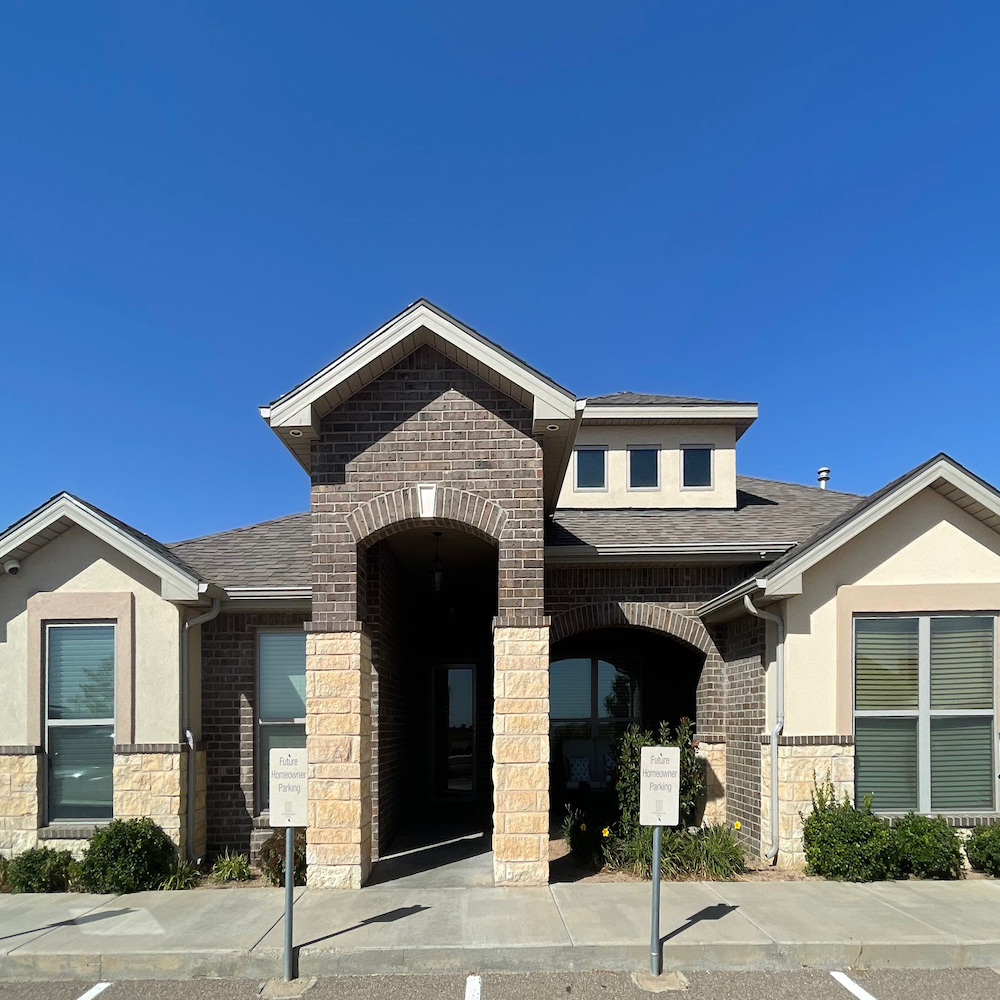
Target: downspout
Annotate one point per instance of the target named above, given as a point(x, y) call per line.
point(192, 778)
point(779, 720)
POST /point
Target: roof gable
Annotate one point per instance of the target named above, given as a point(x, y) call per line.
point(179, 582)
point(295, 416)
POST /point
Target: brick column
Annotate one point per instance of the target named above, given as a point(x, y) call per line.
point(338, 746)
point(521, 756)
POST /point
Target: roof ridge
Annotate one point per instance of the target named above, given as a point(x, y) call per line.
point(241, 527)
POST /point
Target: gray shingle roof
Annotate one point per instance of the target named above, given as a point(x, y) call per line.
point(654, 399)
point(768, 514)
point(270, 554)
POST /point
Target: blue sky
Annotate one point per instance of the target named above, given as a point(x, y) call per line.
point(201, 204)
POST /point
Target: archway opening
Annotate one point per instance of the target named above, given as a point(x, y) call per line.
point(601, 682)
point(431, 596)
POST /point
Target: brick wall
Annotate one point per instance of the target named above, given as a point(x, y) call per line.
point(425, 420)
point(228, 670)
point(743, 646)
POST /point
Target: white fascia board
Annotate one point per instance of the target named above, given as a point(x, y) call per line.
point(175, 584)
point(552, 402)
point(785, 582)
point(694, 413)
point(731, 596)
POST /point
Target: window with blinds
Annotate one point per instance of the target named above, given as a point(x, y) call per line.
point(925, 732)
point(281, 699)
point(80, 720)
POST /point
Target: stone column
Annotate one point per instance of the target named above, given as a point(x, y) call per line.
point(521, 756)
point(712, 750)
point(338, 747)
point(20, 805)
point(801, 760)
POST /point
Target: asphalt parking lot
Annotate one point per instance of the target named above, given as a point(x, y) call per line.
point(957, 984)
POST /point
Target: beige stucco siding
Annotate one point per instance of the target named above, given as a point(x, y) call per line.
point(669, 439)
point(77, 562)
point(928, 555)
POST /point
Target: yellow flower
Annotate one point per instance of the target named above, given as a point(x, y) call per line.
point(605, 832)
point(583, 826)
point(736, 825)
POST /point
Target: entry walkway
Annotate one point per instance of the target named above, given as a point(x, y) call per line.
point(237, 933)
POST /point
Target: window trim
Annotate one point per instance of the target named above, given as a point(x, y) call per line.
point(261, 768)
point(577, 488)
point(47, 723)
point(924, 713)
point(691, 446)
point(658, 449)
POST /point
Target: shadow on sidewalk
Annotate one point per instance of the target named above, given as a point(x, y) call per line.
point(87, 918)
point(388, 917)
point(716, 912)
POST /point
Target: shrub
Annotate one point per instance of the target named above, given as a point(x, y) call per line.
point(585, 838)
point(181, 875)
point(842, 842)
point(4, 863)
point(983, 849)
point(231, 868)
point(130, 855)
point(40, 870)
point(714, 853)
point(927, 848)
point(272, 857)
point(635, 853)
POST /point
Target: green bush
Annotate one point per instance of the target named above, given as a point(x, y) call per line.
point(40, 870)
point(231, 868)
point(842, 842)
point(927, 848)
point(983, 849)
point(130, 855)
point(714, 853)
point(4, 863)
point(272, 857)
point(635, 853)
point(585, 838)
point(181, 875)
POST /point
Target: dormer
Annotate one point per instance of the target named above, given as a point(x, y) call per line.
point(641, 450)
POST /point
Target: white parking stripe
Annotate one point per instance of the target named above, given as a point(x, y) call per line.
point(845, 981)
point(473, 987)
point(93, 991)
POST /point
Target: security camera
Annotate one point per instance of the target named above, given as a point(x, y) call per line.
point(11, 566)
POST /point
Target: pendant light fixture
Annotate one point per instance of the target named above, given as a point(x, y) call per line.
point(437, 573)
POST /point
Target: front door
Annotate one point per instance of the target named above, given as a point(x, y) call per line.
point(454, 732)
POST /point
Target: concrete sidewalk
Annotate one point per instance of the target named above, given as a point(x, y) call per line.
point(704, 925)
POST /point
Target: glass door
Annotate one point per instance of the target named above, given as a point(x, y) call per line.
point(454, 732)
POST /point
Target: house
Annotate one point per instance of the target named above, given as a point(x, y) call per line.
point(495, 579)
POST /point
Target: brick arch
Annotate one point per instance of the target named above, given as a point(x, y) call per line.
point(657, 617)
point(388, 513)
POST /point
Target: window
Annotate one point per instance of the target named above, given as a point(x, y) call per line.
point(281, 698)
point(643, 468)
point(590, 698)
point(79, 720)
point(924, 712)
point(591, 468)
point(696, 464)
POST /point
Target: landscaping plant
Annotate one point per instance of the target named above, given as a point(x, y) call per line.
point(231, 868)
point(272, 857)
point(847, 843)
point(983, 850)
point(130, 855)
point(712, 852)
point(181, 875)
point(40, 870)
point(927, 848)
point(585, 839)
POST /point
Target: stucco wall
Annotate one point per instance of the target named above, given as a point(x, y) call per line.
point(77, 562)
point(669, 439)
point(929, 544)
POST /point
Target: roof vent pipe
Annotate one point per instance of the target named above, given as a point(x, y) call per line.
point(823, 476)
point(188, 736)
point(779, 718)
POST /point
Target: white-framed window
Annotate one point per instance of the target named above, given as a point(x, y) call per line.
point(590, 468)
point(643, 467)
point(281, 698)
point(924, 712)
point(79, 720)
point(697, 466)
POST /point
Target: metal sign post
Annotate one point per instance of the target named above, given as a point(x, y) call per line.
point(659, 797)
point(288, 795)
